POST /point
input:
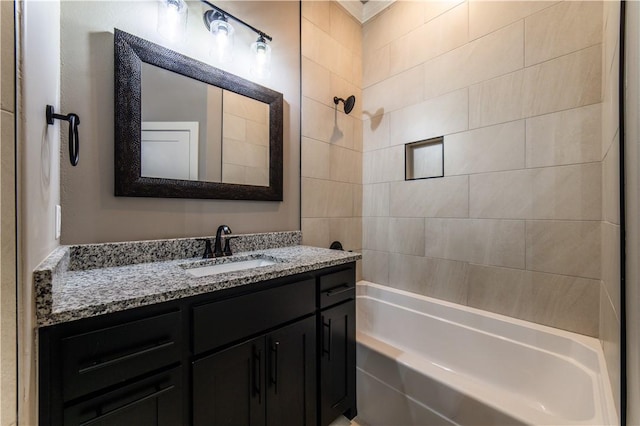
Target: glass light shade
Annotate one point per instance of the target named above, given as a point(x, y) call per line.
point(172, 19)
point(261, 61)
point(222, 36)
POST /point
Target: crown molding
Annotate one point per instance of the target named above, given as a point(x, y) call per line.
point(364, 12)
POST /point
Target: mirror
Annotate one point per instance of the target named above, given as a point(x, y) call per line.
point(195, 131)
point(185, 129)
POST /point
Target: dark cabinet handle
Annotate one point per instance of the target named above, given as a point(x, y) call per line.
point(342, 288)
point(274, 365)
point(326, 340)
point(143, 351)
point(128, 405)
point(257, 374)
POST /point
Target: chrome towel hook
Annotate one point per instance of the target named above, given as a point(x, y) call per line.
point(74, 141)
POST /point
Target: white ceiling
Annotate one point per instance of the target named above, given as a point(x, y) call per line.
point(364, 12)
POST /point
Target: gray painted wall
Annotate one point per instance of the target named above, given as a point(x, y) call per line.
point(38, 174)
point(91, 213)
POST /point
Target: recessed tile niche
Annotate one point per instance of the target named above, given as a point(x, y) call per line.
point(424, 159)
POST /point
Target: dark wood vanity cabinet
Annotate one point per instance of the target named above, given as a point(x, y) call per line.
point(154, 400)
point(337, 347)
point(269, 380)
point(105, 369)
point(272, 353)
point(338, 363)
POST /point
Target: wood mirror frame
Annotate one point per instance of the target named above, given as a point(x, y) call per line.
point(130, 51)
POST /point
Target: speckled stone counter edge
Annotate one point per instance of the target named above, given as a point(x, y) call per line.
point(51, 272)
point(47, 276)
point(50, 318)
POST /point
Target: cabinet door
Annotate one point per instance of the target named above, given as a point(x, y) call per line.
point(291, 375)
point(229, 386)
point(337, 362)
point(155, 401)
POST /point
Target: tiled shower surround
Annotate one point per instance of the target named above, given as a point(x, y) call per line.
point(331, 140)
point(610, 289)
point(525, 221)
point(515, 225)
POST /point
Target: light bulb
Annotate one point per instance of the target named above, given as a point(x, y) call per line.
point(172, 19)
point(261, 63)
point(261, 55)
point(222, 36)
point(222, 39)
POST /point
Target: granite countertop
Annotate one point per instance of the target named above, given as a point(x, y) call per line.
point(76, 282)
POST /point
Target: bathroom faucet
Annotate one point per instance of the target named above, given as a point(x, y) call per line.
point(227, 248)
point(208, 254)
point(217, 247)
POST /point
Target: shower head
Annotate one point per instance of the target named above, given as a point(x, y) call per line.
point(349, 103)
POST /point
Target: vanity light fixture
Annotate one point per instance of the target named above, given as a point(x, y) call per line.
point(172, 19)
point(261, 66)
point(172, 25)
point(222, 36)
point(217, 21)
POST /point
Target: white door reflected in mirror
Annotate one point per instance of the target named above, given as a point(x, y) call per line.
point(170, 150)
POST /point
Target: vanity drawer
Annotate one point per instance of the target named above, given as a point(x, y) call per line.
point(219, 323)
point(155, 400)
point(111, 355)
point(337, 287)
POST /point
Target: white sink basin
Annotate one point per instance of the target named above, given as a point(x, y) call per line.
point(242, 265)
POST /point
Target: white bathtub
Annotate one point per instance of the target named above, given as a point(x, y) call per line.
point(422, 361)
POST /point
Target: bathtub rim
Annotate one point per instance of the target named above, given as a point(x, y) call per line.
point(586, 343)
point(592, 343)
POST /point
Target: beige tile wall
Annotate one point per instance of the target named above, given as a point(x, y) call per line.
point(519, 92)
point(332, 160)
point(245, 140)
point(610, 262)
point(525, 221)
point(632, 206)
point(8, 355)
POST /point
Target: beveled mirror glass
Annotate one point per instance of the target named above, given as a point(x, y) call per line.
point(185, 129)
